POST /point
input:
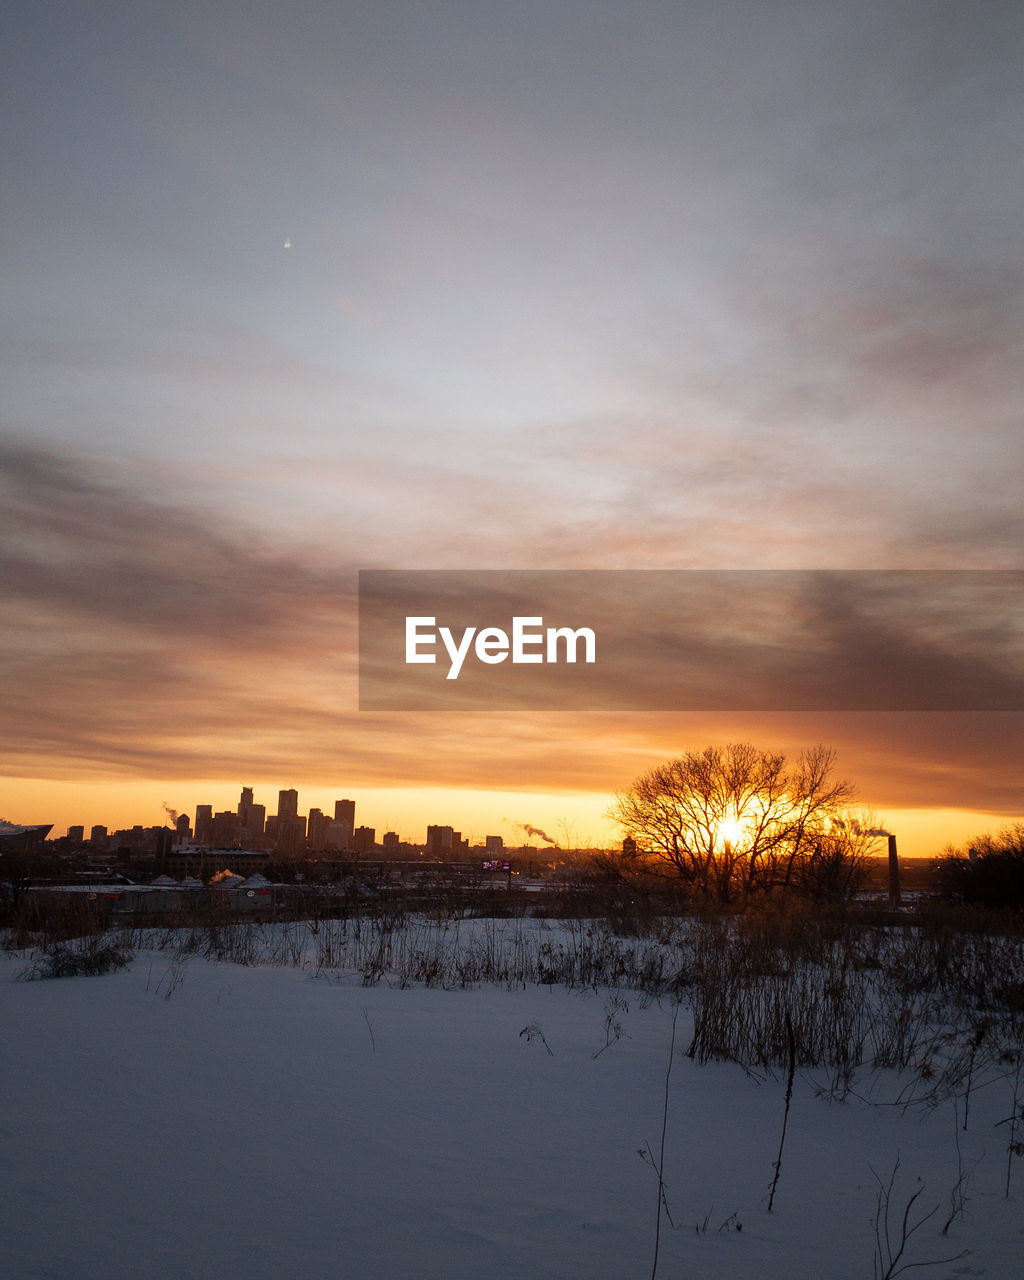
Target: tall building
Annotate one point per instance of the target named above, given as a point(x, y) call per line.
point(257, 822)
point(341, 830)
point(98, 837)
point(494, 844)
point(316, 829)
point(287, 830)
point(204, 823)
point(251, 817)
point(289, 833)
point(224, 829)
point(76, 834)
point(338, 836)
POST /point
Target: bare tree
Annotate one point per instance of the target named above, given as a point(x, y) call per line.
point(837, 864)
point(738, 819)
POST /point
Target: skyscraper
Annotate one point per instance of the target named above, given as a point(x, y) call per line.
point(289, 834)
point(316, 829)
point(204, 823)
point(251, 817)
point(342, 829)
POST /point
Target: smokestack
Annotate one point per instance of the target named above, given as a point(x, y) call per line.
point(894, 873)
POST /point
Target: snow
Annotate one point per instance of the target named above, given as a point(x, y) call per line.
point(194, 1118)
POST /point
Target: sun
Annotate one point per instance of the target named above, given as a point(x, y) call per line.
point(730, 830)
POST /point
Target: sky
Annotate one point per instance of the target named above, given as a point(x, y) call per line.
point(294, 291)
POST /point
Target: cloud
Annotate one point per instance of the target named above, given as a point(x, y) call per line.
point(103, 549)
point(144, 636)
point(135, 627)
point(147, 639)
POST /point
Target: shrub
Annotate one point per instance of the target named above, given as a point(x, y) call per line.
point(66, 961)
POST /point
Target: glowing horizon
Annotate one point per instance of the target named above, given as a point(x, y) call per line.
point(117, 805)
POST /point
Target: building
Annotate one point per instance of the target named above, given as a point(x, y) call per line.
point(204, 823)
point(257, 822)
point(439, 840)
point(288, 804)
point(252, 817)
point(342, 829)
point(18, 839)
point(204, 863)
point(364, 839)
point(338, 836)
point(224, 829)
point(289, 835)
point(316, 829)
point(445, 842)
point(494, 844)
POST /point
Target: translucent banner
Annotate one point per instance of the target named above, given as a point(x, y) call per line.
point(691, 640)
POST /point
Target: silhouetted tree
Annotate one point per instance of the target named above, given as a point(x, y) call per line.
point(989, 872)
point(735, 820)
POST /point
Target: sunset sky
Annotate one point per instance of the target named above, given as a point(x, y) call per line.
point(296, 290)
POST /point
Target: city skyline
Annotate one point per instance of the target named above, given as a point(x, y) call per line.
point(321, 830)
point(478, 286)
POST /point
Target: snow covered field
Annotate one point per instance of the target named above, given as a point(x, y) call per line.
point(198, 1118)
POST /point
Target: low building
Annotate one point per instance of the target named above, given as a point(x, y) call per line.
point(206, 863)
